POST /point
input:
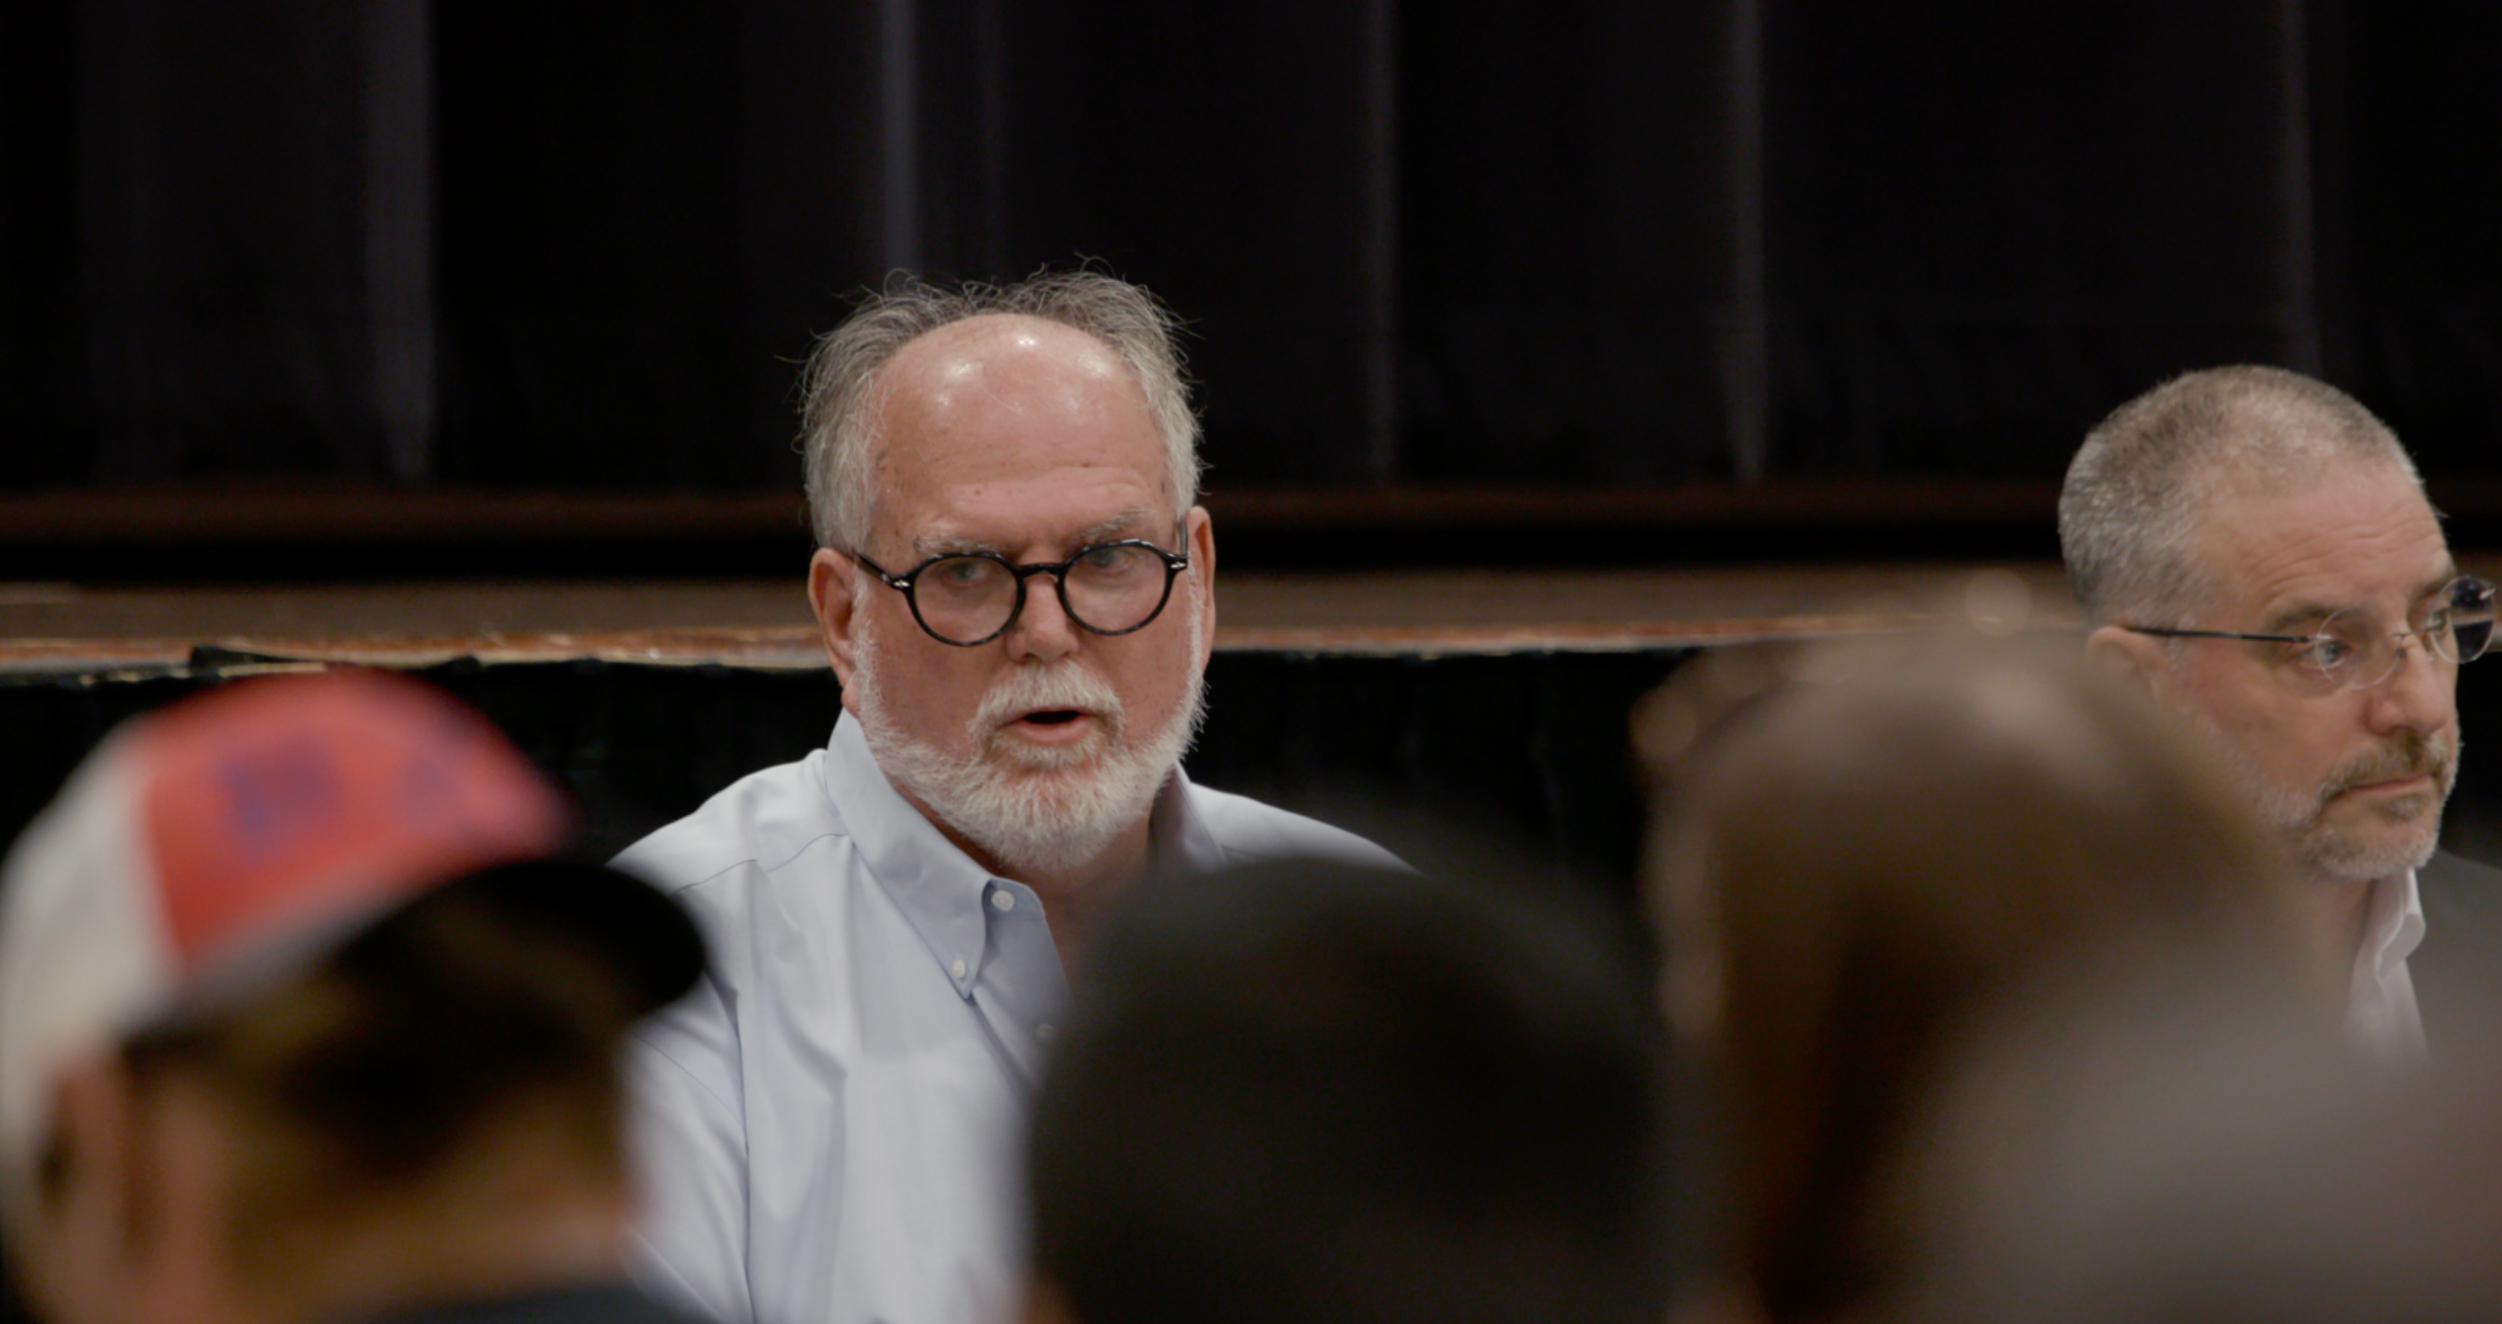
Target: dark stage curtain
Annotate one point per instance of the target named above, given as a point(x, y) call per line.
point(1580, 244)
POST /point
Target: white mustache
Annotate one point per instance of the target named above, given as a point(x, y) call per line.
point(1044, 689)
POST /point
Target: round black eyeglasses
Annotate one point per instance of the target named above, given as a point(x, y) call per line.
point(968, 598)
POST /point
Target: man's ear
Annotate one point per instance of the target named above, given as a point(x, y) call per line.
point(1200, 530)
point(2139, 658)
point(830, 582)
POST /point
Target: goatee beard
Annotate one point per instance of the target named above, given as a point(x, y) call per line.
point(1033, 809)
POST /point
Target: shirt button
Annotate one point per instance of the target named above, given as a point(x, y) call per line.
point(1002, 900)
point(958, 967)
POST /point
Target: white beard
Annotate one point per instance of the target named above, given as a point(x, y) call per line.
point(1040, 809)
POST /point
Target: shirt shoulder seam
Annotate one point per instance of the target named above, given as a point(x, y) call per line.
point(750, 860)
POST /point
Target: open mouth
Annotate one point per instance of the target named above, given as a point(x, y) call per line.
point(1054, 727)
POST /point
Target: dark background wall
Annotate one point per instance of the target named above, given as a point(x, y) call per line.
point(425, 244)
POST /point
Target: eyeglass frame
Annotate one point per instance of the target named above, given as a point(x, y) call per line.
point(2396, 657)
point(1174, 564)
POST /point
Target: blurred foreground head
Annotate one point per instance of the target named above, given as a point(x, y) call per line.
point(295, 1021)
point(2145, 1159)
point(1882, 850)
point(1312, 1093)
point(2137, 1169)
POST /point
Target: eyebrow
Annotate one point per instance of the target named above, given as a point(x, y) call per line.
point(945, 544)
point(2290, 619)
point(1101, 530)
point(2297, 618)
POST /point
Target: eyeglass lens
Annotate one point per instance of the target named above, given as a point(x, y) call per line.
point(2351, 652)
point(1111, 589)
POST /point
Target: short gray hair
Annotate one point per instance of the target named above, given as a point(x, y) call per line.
point(842, 403)
point(2137, 489)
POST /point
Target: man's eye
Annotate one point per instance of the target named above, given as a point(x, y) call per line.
point(2328, 652)
point(963, 570)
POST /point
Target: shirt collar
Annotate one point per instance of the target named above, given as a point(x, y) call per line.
point(2380, 1006)
point(2393, 929)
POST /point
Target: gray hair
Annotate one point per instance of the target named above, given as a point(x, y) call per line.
point(842, 404)
point(2137, 489)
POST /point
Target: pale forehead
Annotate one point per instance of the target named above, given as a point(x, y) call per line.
point(959, 363)
point(998, 422)
point(1003, 387)
point(2349, 534)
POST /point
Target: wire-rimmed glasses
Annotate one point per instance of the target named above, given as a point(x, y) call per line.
point(969, 598)
point(2349, 651)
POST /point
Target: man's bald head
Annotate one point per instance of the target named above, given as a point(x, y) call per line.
point(846, 380)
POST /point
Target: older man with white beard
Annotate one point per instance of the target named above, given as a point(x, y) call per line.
point(1016, 590)
point(2256, 547)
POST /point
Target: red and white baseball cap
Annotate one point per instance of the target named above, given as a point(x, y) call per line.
point(213, 845)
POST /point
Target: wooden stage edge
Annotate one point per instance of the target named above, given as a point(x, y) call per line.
point(56, 629)
point(51, 629)
point(798, 650)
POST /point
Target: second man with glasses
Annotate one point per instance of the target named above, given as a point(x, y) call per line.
point(2257, 547)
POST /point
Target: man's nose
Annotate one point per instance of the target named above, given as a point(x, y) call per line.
point(2421, 694)
point(1042, 630)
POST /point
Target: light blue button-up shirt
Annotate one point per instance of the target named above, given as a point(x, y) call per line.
point(827, 1127)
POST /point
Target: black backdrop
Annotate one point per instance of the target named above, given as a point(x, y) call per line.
point(432, 242)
